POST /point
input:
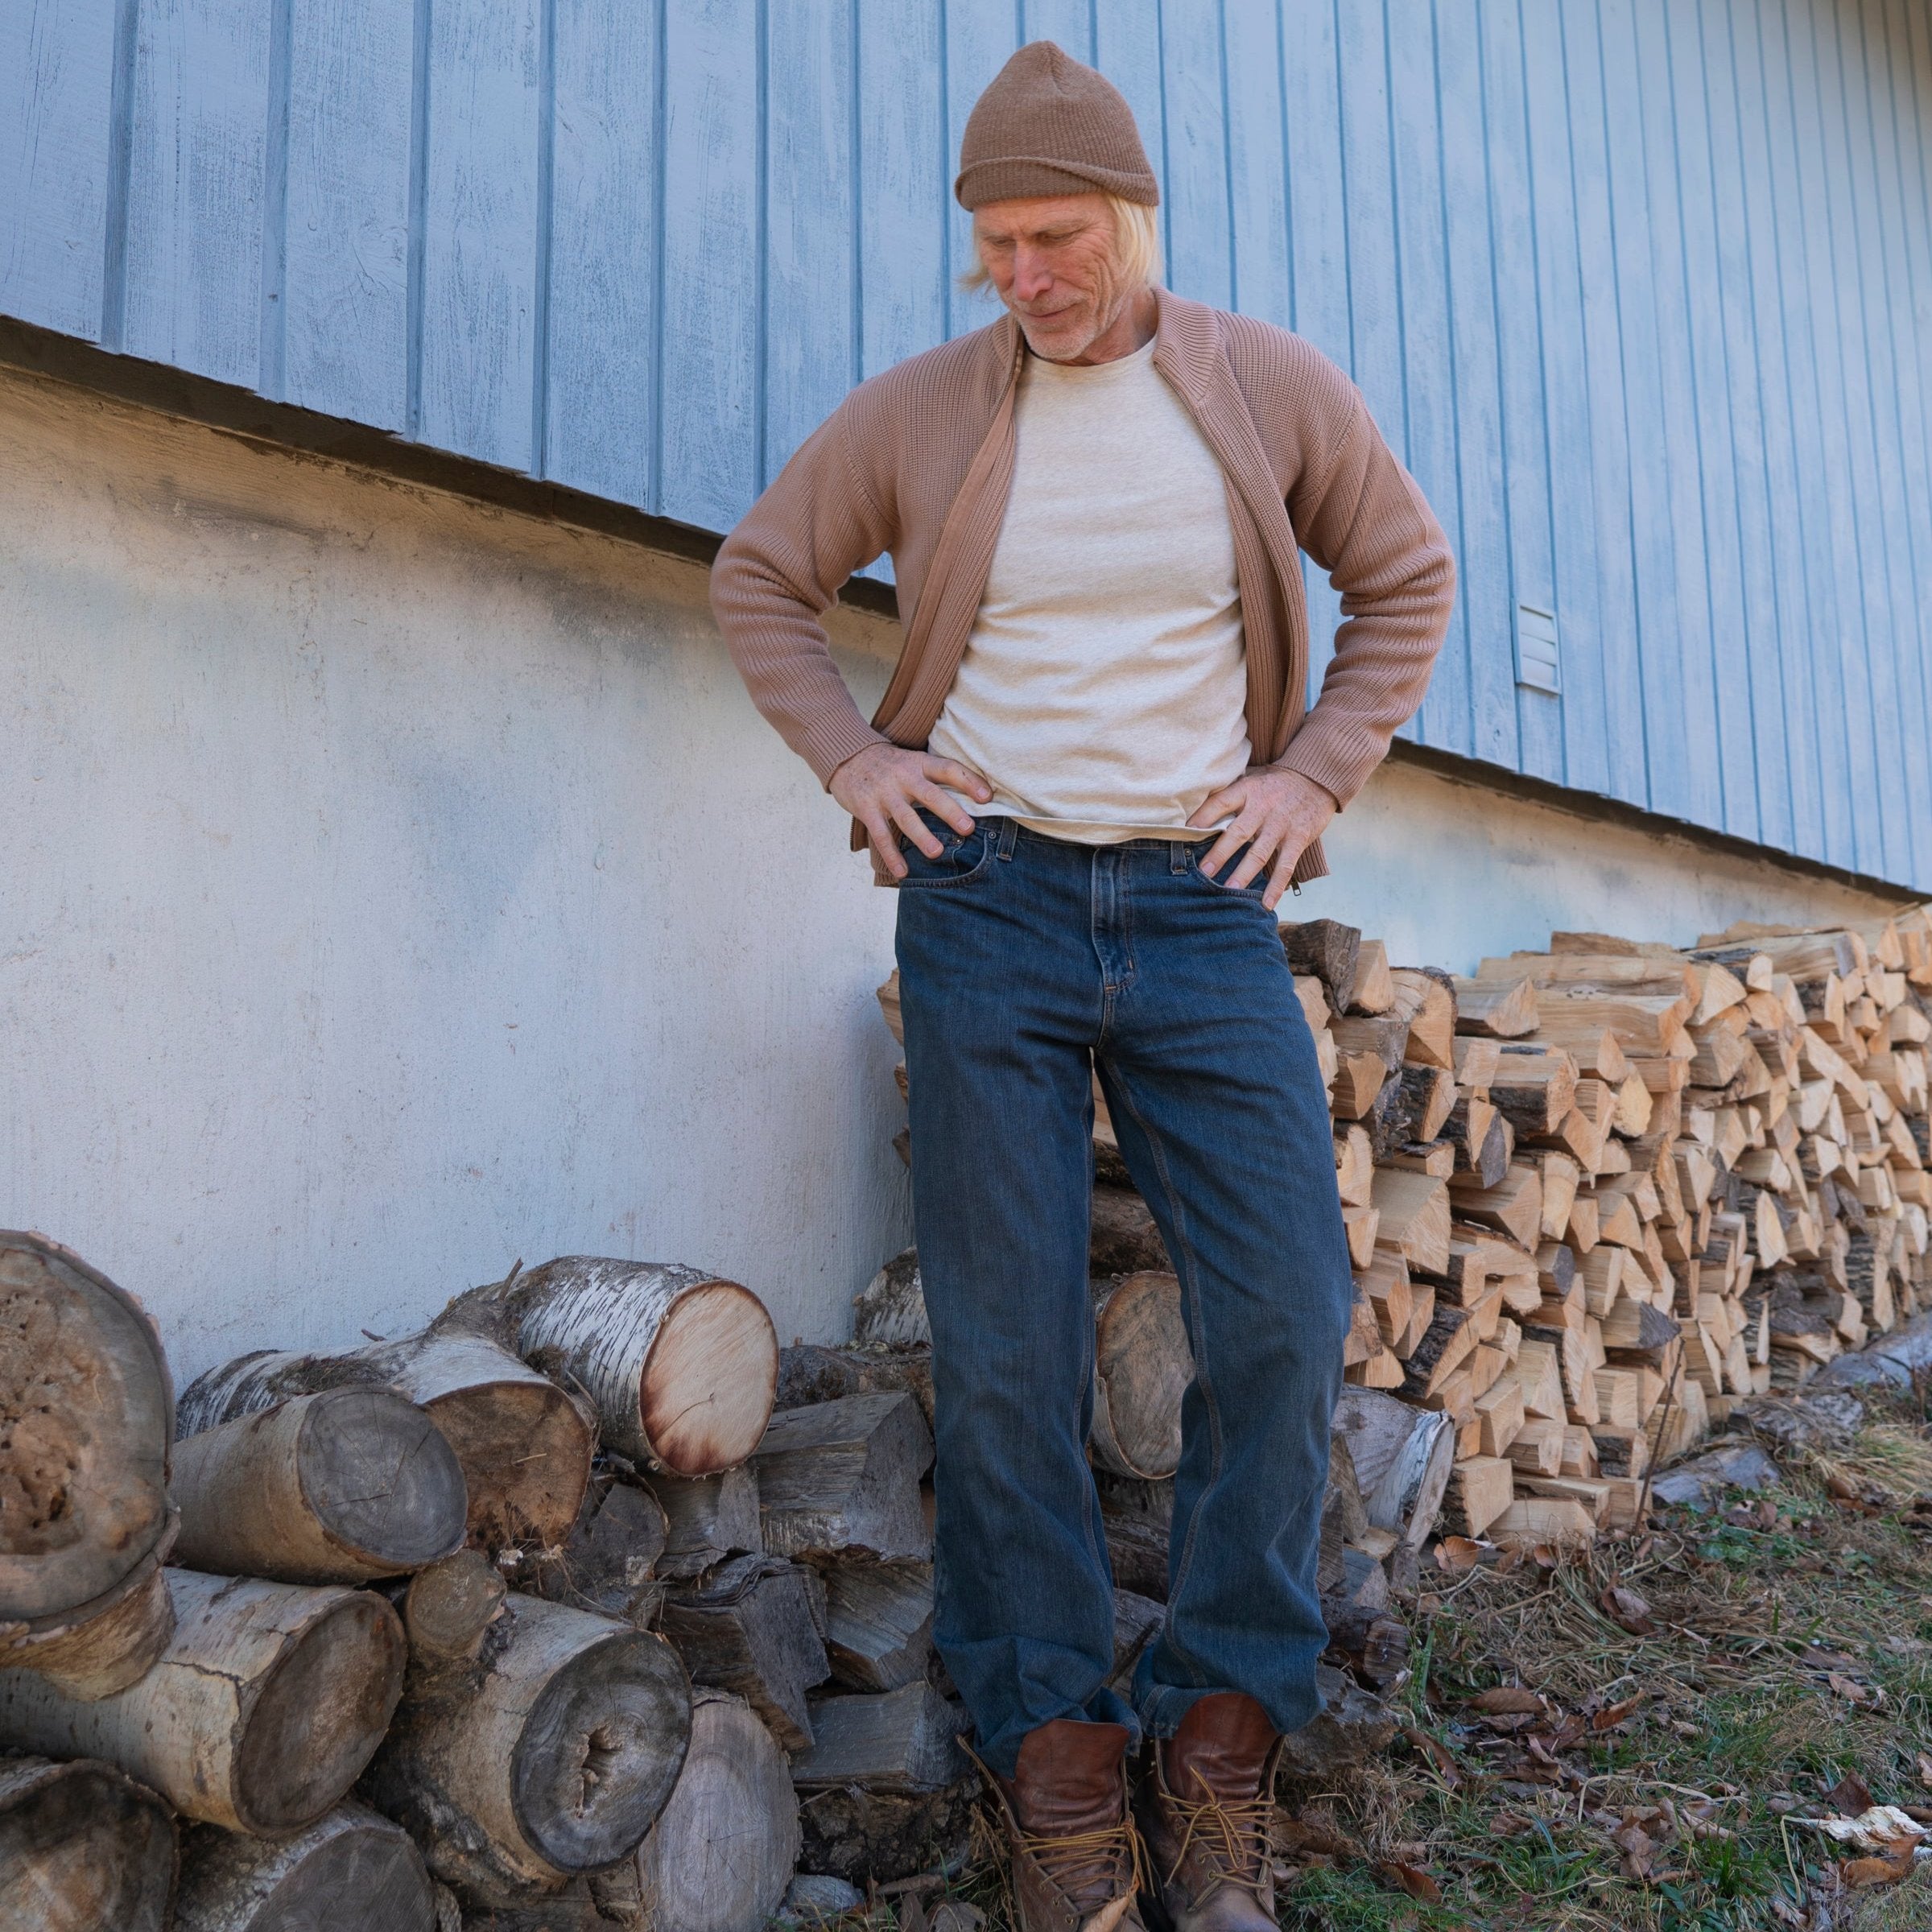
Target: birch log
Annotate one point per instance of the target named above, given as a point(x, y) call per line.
point(82, 1849)
point(339, 1486)
point(891, 1309)
point(721, 1854)
point(351, 1871)
point(86, 1416)
point(1142, 1367)
point(259, 1716)
point(524, 1445)
point(681, 1365)
point(548, 1755)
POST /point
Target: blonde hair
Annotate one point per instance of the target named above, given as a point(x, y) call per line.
point(1136, 237)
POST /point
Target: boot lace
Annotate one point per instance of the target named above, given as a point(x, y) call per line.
point(1231, 1835)
point(1074, 1859)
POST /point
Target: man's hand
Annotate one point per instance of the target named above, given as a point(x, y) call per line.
point(1276, 815)
point(883, 788)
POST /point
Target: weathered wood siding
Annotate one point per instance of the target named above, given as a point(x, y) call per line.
point(1643, 288)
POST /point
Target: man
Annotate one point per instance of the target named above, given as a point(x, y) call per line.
point(1092, 779)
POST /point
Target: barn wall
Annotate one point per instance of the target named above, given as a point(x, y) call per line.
point(1640, 287)
point(396, 887)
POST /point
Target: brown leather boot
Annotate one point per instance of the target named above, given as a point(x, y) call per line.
point(1076, 1861)
point(1205, 1806)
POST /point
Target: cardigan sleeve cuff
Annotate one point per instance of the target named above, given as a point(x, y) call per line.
point(831, 742)
point(1335, 760)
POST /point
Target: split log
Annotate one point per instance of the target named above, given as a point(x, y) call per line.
point(350, 1871)
point(906, 1740)
point(682, 1365)
point(1353, 1726)
point(1414, 1208)
point(809, 1372)
point(262, 1710)
point(1122, 1237)
point(843, 1478)
point(1535, 1088)
point(1401, 1458)
point(706, 1518)
point(1329, 950)
point(337, 1487)
point(607, 1563)
point(754, 1625)
point(890, 1310)
point(722, 1851)
point(1503, 1009)
point(878, 1624)
point(448, 1606)
point(86, 1417)
point(1425, 1001)
point(867, 1836)
point(549, 1755)
point(1142, 1368)
point(524, 1445)
point(1136, 1551)
point(82, 1849)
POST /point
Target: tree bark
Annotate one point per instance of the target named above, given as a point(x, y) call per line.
point(808, 1373)
point(843, 1479)
point(349, 1872)
point(681, 1365)
point(548, 1755)
point(721, 1854)
point(259, 1716)
point(891, 1309)
point(1142, 1368)
point(86, 1417)
point(337, 1487)
point(82, 1849)
point(525, 1445)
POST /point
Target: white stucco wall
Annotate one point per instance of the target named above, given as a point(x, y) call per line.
point(391, 887)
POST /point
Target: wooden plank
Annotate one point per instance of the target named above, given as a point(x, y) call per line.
point(599, 405)
point(479, 242)
point(979, 37)
point(905, 180)
point(1200, 262)
point(1483, 563)
point(1609, 438)
point(197, 185)
point(1257, 180)
point(56, 103)
point(1127, 50)
point(345, 296)
point(1069, 23)
point(709, 358)
point(1375, 308)
point(1429, 401)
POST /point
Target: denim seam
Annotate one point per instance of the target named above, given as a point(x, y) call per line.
point(963, 879)
point(1191, 1279)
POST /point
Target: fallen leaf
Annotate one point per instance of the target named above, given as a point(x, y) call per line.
point(1412, 1879)
point(1456, 1554)
point(1924, 1770)
point(1851, 1693)
point(1613, 1714)
point(1638, 1847)
point(1628, 1610)
point(1843, 1488)
point(1509, 1824)
point(1506, 1699)
point(1886, 1868)
point(1544, 1557)
point(1850, 1794)
point(1439, 1760)
point(1301, 1835)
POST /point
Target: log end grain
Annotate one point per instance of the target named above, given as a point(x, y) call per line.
point(383, 1480)
point(321, 1714)
point(601, 1749)
point(721, 1856)
point(86, 1417)
point(709, 1381)
point(101, 1647)
point(525, 1448)
point(82, 1849)
point(351, 1871)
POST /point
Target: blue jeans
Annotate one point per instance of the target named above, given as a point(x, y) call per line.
point(1026, 963)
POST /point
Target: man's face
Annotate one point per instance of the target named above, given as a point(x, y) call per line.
point(1053, 260)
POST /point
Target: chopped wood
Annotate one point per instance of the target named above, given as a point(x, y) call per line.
point(1373, 991)
point(890, 1310)
point(809, 1372)
point(706, 1518)
point(843, 1478)
point(1142, 1368)
point(1123, 1238)
point(448, 1606)
point(607, 1563)
point(904, 1740)
point(1480, 1489)
point(1427, 1003)
point(1515, 1205)
point(1504, 1010)
point(753, 1625)
point(1531, 1520)
point(1415, 1210)
point(1533, 1087)
point(83, 1849)
point(878, 1624)
point(1329, 950)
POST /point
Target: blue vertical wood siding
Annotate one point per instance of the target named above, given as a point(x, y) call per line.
point(1642, 289)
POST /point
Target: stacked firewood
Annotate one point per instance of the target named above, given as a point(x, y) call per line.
point(1593, 1195)
point(539, 1617)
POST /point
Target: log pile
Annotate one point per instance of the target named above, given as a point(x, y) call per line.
point(1594, 1196)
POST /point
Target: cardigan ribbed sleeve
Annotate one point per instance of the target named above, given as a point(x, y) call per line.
point(818, 521)
point(1365, 523)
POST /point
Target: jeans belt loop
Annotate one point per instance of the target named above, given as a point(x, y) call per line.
point(1177, 855)
point(1009, 830)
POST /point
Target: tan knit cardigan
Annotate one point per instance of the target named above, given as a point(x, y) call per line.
point(918, 461)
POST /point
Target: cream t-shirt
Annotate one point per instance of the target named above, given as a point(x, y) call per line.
point(1103, 690)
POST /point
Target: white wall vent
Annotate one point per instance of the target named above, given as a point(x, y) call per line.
point(1537, 665)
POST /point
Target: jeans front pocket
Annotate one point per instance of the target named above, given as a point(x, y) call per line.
point(1252, 889)
point(962, 857)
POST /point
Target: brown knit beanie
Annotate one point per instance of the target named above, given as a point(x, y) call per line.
point(1049, 126)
